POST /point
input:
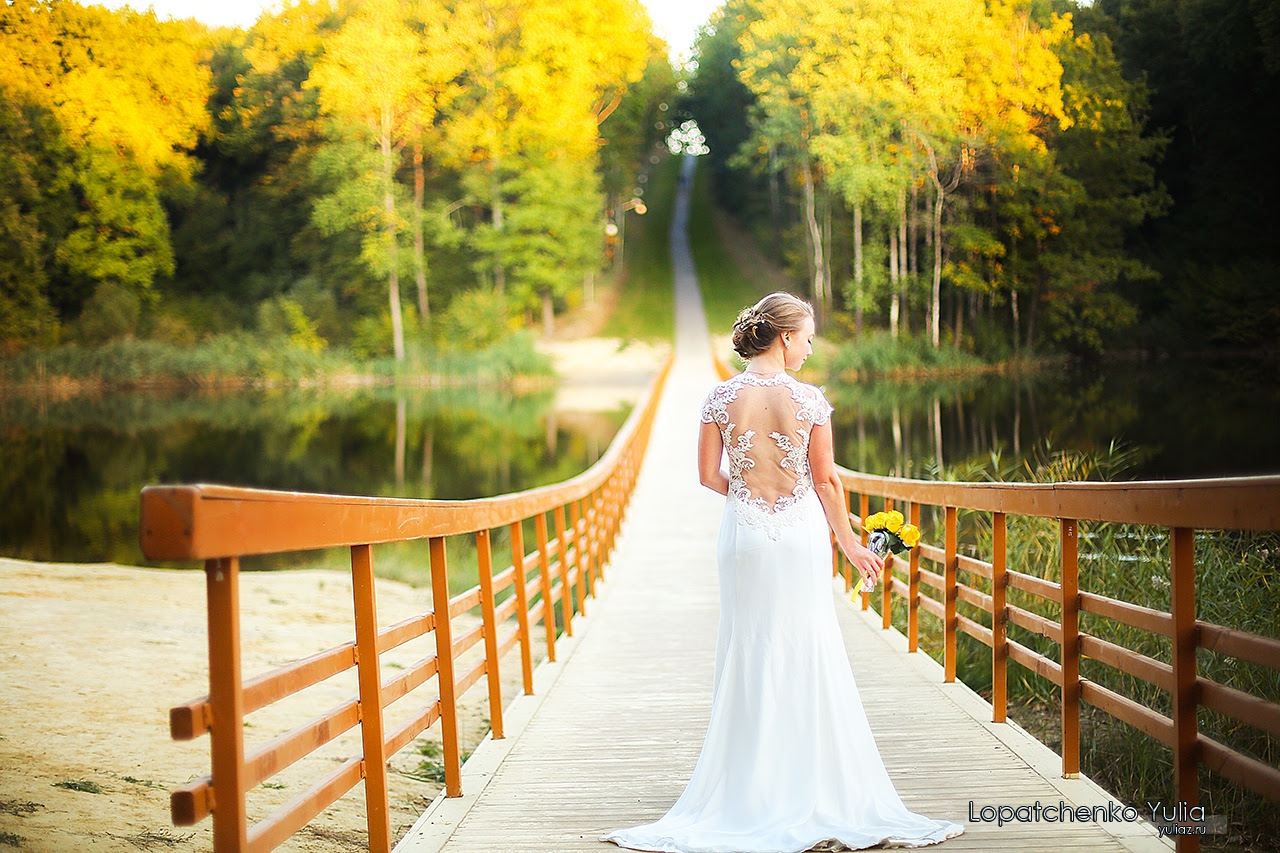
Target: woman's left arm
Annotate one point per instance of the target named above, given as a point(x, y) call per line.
point(710, 449)
point(826, 482)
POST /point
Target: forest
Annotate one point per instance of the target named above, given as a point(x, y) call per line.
point(1007, 177)
point(993, 177)
point(356, 175)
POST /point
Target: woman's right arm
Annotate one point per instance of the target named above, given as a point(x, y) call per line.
point(710, 449)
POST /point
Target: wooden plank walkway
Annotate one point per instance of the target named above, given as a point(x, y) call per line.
point(614, 728)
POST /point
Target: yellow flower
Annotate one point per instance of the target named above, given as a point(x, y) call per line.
point(875, 521)
point(910, 535)
point(893, 521)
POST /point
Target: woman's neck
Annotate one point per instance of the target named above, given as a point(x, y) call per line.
point(765, 364)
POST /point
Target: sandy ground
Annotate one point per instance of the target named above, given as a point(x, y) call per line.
point(601, 374)
point(93, 656)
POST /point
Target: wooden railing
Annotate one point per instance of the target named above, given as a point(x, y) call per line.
point(220, 525)
point(1250, 503)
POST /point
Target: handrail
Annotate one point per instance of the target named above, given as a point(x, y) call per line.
point(221, 524)
point(1183, 506)
point(1243, 503)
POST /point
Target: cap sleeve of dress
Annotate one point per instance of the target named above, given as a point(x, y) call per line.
point(821, 408)
point(713, 404)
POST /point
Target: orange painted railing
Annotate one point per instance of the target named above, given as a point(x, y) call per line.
point(220, 525)
point(1248, 503)
point(1245, 503)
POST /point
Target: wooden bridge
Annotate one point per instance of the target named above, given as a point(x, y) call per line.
point(609, 725)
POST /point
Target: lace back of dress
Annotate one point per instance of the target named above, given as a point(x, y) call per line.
point(765, 425)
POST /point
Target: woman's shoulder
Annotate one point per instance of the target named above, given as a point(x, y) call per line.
point(713, 405)
point(813, 401)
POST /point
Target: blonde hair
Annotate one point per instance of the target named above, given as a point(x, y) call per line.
point(758, 327)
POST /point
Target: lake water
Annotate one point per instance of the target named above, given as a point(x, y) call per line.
point(1178, 419)
point(73, 469)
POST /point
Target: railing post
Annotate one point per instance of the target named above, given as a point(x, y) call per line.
point(444, 666)
point(226, 701)
point(489, 620)
point(583, 560)
point(999, 620)
point(566, 591)
point(369, 675)
point(1186, 750)
point(949, 594)
point(864, 509)
point(522, 604)
point(598, 536)
point(544, 574)
point(913, 589)
point(886, 582)
point(1070, 649)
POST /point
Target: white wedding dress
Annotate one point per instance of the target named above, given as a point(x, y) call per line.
point(789, 762)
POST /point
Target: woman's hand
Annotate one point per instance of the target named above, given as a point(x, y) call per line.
point(867, 562)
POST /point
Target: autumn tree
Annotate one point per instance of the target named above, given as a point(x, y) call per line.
point(368, 79)
point(541, 77)
point(113, 104)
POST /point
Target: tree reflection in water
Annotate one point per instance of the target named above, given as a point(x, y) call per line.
point(73, 469)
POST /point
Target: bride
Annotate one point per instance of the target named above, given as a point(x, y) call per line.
point(789, 763)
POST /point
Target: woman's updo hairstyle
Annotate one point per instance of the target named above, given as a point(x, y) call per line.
point(758, 327)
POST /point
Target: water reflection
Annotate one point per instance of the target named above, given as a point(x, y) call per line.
point(73, 468)
point(1184, 419)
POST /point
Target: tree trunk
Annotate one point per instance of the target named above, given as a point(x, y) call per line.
point(817, 260)
point(826, 241)
point(1017, 325)
point(499, 218)
point(904, 280)
point(548, 315)
point(389, 205)
point(775, 202)
point(895, 301)
point(857, 269)
point(1034, 317)
point(419, 255)
point(936, 302)
point(913, 229)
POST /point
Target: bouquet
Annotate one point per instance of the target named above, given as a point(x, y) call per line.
point(889, 532)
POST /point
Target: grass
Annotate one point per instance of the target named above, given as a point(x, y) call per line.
point(146, 783)
point(11, 840)
point(149, 839)
point(17, 807)
point(82, 785)
point(645, 305)
point(243, 359)
point(729, 280)
point(431, 767)
point(879, 354)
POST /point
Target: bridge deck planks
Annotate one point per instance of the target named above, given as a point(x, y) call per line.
point(614, 729)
